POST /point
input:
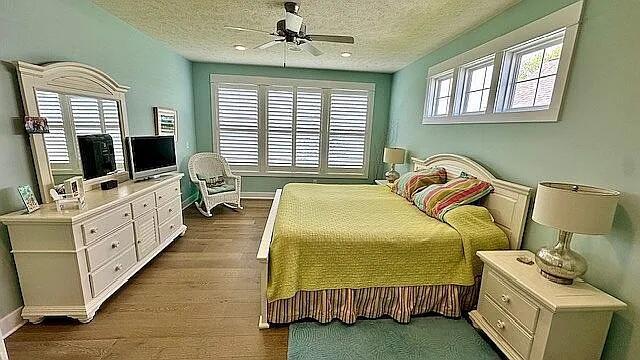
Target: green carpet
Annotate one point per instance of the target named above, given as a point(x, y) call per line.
point(431, 337)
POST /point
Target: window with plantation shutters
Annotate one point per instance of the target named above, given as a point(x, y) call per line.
point(69, 116)
point(270, 126)
point(347, 129)
point(50, 106)
point(237, 113)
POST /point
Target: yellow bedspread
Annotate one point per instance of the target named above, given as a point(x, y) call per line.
point(359, 236)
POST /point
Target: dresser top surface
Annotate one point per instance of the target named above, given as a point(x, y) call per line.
point(578, 296)
point(96, 201)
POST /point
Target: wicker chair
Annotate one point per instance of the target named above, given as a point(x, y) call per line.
point(204, 168)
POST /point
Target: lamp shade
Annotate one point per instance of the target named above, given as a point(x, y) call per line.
point(393, 156)
point(575, 208)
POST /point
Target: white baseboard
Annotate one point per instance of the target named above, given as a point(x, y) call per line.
point(190, 200)
point(261, 195)
point(3, 351)
point(11, 322)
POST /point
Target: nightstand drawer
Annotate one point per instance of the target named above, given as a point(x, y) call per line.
point(512, 302)
point(506, 327)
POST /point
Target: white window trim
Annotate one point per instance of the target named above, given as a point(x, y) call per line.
point(296, 172)
point(567, 17)
point(464, 85)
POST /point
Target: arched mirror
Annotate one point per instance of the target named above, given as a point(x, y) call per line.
point(78, 101)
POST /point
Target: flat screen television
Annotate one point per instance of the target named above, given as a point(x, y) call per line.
point(150, 156)
point(97, 155)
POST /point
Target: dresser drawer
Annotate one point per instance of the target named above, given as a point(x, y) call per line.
point(167, 193)
point(142, 205)
point(169, 210)
point(170, 227)
point(95, 229)
point(510, 301)
point(505, 326)
point(109, 247)
point(146, 229)
point(112, 270)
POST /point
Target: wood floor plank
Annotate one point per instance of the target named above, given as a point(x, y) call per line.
point(199, 299)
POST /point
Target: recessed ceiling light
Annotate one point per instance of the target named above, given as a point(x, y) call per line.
point(345, 54)
point(239, 47)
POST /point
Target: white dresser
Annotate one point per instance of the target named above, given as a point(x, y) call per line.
point(529, 317)
point(70, 262)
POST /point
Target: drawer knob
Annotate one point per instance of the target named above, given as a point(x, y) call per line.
point(160, 197)
point(118, 267)
point(139, 241)
point(176, 189)
point(144, 205)
point(505, 298)
point(500, 324)
point(115, 244)
point(171, 227)
point(126, 214)
point(93, 231)
point(170, 210)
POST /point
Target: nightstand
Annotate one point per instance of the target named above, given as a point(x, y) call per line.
point(529, 317)
point(384, 182)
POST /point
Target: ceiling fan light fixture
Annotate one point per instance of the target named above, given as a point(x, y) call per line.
point(240, 47)
point(345, 54)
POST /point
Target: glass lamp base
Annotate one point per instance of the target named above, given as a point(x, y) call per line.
point(391, 175)
point(560, 264)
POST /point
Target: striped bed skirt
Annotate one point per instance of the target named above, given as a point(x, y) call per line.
point(400, 303)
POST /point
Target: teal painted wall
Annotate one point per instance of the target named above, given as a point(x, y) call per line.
point(75, 30)
point(595, 141)
point(202, 100)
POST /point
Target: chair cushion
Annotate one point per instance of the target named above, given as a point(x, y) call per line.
point(211, 190)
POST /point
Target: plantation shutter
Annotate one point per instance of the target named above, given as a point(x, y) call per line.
point(308, 121)
point(112, 127)
point(55, 141)
point(86, 115)
point(237, 112)
point(347, 129)
point(279, 126)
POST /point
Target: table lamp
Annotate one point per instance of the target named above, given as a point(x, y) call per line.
point(570, 208)
point(393, 156)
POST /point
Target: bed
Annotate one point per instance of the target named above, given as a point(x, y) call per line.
point(347, 251)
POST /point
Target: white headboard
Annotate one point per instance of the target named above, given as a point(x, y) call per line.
point(508, 203)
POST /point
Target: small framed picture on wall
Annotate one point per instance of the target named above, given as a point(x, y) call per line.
point(166, 120)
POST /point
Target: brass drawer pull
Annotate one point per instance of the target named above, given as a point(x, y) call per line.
point(505, 298)
point(115, 244)
point(118, 267)
point(500, 324)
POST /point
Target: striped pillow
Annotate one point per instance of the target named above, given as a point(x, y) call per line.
point(436, 200)
point(410, 183)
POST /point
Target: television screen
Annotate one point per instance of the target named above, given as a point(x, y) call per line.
point(151, 155)
point(97, 155)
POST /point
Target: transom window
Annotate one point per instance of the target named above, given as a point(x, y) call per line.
point(531, 68)
point(271, 126)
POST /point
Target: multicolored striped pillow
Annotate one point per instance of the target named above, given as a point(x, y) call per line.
point(436, 200)
point(410, 183)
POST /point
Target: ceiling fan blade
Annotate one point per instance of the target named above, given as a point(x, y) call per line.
point(269, 44)
point(332, 38)
point(246, 29)
point(306, 46)
point(293, 22)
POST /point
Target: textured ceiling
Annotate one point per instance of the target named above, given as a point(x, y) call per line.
point(388, 34)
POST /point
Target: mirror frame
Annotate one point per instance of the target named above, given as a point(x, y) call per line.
point(67, 78)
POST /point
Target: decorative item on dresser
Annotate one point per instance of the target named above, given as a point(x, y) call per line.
point(393, 156)
point(529, 317)
point(70, 262)
point(571, 209)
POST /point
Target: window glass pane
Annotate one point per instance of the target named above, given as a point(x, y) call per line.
point(238, 124)
point(473, 101)
point(55, 141)
point(444, 87)
point(442, 106)
point(551, 60)
point(529, 66)
point(477, 79)
point(485, 100)
point(280, 127)
point(308, 115)
point(487, 77)
point(524, 94)
point(545, 90)
point(86, 115)
point(347, 129)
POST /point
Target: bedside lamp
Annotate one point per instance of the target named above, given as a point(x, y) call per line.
point(393, 156)
point(571, 209)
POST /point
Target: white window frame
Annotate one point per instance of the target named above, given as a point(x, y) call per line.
point(323, 171)
point(434, 91)
point(464, 85)
point(567, 18)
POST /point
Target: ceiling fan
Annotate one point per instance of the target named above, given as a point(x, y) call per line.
point(292, 33)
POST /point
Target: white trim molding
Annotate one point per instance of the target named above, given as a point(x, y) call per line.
point(257, 195)
point(566, 19)
point(11, 322)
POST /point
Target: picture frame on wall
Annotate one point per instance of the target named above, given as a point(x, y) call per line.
point(29, 198)
point(36, 125)
point(166, 121)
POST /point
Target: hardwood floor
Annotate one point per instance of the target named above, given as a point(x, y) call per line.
point(199, 299)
